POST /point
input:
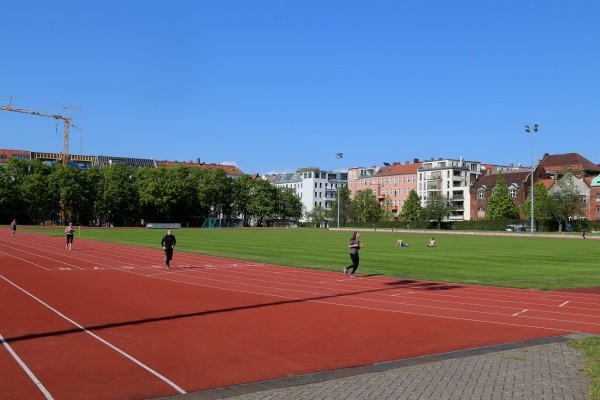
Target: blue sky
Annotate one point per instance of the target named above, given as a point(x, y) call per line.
point(279, 85)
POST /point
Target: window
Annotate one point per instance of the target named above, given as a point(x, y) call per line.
point(512, 192)
point(480, 194)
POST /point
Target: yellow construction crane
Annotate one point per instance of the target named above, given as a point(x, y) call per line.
point(66, 121)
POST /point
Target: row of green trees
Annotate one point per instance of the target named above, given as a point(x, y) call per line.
point(33, 192)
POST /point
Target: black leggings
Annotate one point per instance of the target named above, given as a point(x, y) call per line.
point(354, 265)
point(168, 255)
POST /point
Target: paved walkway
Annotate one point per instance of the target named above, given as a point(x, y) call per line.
point(538, 369)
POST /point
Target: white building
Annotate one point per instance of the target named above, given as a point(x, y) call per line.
point(313, 187)
point(449, 179)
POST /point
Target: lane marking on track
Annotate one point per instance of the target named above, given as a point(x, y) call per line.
point(27, 261)
point(402, 294)
point(520, 312)
point(565, 303)
point(115, 348)
point(26, 369)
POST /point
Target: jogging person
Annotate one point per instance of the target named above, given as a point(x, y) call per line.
point(13, 226)
point(354, 246)
point(70, 230)
point(168, 244)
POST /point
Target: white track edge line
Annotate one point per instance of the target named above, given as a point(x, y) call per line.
point(26, 369)
point(123, 353)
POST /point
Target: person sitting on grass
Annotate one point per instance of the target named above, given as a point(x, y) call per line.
point(431, 242)
point(400, 243)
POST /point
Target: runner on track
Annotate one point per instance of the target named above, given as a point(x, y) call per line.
point(168, 244)
point(70, 230)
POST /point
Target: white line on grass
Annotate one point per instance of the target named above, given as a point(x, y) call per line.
point(139, 363)
point(26, 369)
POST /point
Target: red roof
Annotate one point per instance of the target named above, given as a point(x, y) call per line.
point(557, 162)
point(398, 169)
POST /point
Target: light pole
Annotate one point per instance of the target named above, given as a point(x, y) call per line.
point(533, 129)
point(339, 156)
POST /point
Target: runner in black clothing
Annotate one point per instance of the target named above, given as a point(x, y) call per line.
point(13, 226)
point(168, 244)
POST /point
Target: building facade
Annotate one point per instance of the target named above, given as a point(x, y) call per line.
point(449, 179)
point(314, 188)
point(390, 184)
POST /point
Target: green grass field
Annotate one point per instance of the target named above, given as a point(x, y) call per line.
point(518, 260)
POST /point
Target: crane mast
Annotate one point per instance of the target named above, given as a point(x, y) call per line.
point(66, 122)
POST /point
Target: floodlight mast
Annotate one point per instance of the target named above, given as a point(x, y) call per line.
point(66, 122)
point(533, 129)
point(339, 156)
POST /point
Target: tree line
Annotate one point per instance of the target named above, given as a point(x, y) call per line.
point(34, 193)
point(120, 195)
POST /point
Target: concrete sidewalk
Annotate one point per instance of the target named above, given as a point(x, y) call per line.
point(538, 369)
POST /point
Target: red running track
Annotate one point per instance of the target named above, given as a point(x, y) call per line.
point(109, 321)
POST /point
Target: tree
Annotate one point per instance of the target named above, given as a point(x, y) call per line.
point(86, 199)
point(11, 178)
point(412, 210)
point(345, 206)
point(366, 207)
point(541, 204)
point(386, 210)
point(289, 205)
point(263, 199)
point(118, 200)
point(500, 204)
point(565, 202)
point(242, 190)
point(153, 203)
point(318, 215)
point(66, 189)
point(215, 192)
point(437, 209)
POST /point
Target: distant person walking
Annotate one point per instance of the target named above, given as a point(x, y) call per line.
point(583, 233)
point(13, 226)
point(168, 244)
point(70, 231)
point(354, 247)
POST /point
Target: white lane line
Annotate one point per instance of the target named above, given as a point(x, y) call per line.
point(520, 312)
point(27, 261)
point(26, 369)
point(565, 303)
point(139, 363)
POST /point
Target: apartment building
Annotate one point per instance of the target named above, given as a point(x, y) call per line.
point(357, 173)
point(313, 187)
point(550, 170)
point(586, 176)
point(517, 179)
point(390, 184)
point(449, 179)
